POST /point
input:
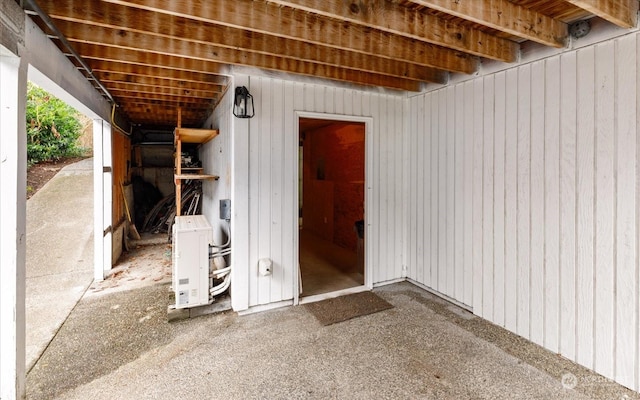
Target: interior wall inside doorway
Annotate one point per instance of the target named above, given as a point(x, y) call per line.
point(333, 181)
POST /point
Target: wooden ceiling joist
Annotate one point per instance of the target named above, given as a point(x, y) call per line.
point(114, 70)
point(187, 113)
point(268, 18)
point(116, 78)
point(623, 13)
point(171, 114)
point(145, 89)
point(177, 100)
point(507, 17)
point(138, 106)
point(394, 18)
point(158, 121)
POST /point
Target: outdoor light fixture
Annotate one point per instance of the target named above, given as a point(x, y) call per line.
point(243, 103)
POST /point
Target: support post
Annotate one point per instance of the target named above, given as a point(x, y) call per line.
point(13, 221)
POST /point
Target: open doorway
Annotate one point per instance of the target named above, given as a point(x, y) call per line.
point(331, 205)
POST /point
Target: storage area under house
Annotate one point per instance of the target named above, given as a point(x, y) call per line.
point(165, 193)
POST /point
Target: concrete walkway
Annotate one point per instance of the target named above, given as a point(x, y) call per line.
point(59, 253)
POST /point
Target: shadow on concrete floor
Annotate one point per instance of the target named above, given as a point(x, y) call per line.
point(115, 322)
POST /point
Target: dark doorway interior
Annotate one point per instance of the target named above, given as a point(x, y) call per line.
point(332, 187)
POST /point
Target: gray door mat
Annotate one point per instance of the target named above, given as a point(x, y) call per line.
point(343, 308)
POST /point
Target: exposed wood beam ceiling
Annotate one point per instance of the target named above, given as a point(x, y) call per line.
point(157, 55)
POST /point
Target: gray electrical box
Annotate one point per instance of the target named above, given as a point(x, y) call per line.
point(225, 209)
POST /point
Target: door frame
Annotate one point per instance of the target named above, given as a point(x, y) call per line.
point(368, 185)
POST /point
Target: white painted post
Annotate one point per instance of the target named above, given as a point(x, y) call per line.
point(98, 203)
point(107, 198)
point(13, 170)
point(102, 199)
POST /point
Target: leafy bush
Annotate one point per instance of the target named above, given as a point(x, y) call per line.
point(52, 127)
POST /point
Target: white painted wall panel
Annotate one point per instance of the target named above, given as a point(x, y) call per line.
point(499, 198)
point(467, 137)
point(265, 159)
point(400, 194)
point(604, 204)
point(443, 208)
point(487, 91)
point(474, 89)
point(627, 340)
point(429, 206)
point(216, 160)
point(585, 210)
point(458, 198)
point(537, 203)
point(551, 293)
point(395, 191)
point(449, 171)
point(433, 99)
point(568, 124)
point(240, 206)
point(534, 177)
point(510, 199)
point(523, 195)
point(412, 171)
point(290, 185)
point(373, 211)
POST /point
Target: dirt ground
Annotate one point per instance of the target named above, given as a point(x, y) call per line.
point(139, 267)
point(39, 174)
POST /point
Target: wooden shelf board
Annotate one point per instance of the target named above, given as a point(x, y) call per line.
point(190, 135)
point(196, 176)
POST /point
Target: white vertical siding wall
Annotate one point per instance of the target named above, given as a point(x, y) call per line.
point(216, 160)
point(524, 197)
point(272, 181)
point(443, 174)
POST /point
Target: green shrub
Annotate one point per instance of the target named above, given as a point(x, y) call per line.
point(52, 127)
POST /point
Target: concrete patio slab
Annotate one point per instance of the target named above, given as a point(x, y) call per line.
point(120, 346)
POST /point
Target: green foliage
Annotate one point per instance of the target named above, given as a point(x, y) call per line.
point(52, 127)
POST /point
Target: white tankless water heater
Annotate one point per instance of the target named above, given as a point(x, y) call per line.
point(192, 235)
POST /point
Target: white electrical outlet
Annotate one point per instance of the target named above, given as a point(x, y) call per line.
point(265, 266)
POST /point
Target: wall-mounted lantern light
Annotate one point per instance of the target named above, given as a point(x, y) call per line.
point(243, 103)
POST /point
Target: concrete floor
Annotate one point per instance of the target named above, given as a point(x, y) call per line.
point(119, 346)
point(59, 264)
